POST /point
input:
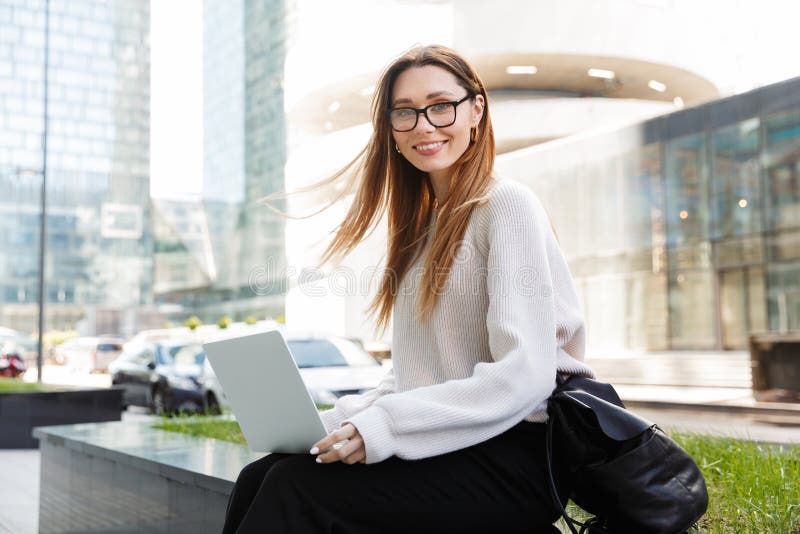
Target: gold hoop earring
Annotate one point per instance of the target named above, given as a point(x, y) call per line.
point(473, 134)
point(397, 148)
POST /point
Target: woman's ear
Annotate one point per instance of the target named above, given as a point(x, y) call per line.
point(477, 110)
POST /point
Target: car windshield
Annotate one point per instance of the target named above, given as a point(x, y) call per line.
point(181, 354)
point(189, 355)
point(166, 353)
point(325, 353)
point(353, 353)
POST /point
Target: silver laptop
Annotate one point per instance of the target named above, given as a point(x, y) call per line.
point(263, 385)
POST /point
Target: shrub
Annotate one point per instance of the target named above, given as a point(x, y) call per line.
point(192, 322)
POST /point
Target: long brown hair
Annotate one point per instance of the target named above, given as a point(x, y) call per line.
point(385, 181)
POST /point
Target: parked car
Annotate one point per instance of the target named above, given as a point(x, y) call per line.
point(11, 363)
point(191, 359)
point(26, 346)
point(213, 389)
point(330, 367)
point(89, 354)
point(74, 350)
point(166, 377)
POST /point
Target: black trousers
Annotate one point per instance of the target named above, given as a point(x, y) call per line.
point(498, 486)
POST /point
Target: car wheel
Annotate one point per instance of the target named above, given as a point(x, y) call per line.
point(188, 407)
point(212, 405)
point(159, 402)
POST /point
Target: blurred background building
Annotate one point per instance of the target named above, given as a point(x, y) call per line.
point(682, 232)
point(673, 189)
point(98, 267)
point(228, 254)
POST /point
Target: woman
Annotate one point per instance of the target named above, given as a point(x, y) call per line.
point(484, 315)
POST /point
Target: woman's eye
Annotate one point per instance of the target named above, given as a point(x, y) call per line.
point(404, 113)
point(438, 108)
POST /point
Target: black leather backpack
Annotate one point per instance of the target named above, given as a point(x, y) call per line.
point(624, 469)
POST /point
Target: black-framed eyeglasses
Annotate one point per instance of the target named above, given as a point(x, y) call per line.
point(439, 115)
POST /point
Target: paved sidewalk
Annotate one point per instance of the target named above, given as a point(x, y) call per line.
point(19, 491)
point(709, 386)
point(733, 425)
point(19, 484)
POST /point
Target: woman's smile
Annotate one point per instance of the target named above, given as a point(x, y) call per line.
point(429, 148)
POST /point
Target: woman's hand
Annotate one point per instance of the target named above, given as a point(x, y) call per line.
point(350, 451)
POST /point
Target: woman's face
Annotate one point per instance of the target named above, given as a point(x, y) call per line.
point(430, 149)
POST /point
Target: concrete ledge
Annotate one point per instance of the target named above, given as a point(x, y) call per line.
point(130, 477)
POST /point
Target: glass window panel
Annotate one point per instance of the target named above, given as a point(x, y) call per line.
point(736, 198)
point(582, 175)
point(783, 297)
point(316, 353)
point(741, 251)
point(784, 246)
point(686, 184)
point(603, 204)
point(645, 315)
point(733, 309)
point(691, 310)
point(757, 300)
point(690, 257)
point(782, 157)
point(604, 305)
point(643, 221)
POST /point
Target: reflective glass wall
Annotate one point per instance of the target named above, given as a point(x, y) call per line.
point(225, 254)
point(781, 139)
point(98, 265)
point(682, 232)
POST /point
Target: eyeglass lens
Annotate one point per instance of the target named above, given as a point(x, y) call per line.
point(439, 115)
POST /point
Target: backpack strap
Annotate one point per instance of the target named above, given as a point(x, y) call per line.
point(552, 483)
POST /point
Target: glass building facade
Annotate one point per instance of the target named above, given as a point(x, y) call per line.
point(682, 232)
point(98, 264)
point(243, 158)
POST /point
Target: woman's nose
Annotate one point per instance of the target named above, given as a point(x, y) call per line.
point(423, 124)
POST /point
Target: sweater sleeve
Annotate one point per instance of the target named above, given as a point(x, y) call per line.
point(521, 326)
point(350, 405)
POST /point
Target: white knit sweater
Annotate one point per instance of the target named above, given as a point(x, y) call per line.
point(507, 320)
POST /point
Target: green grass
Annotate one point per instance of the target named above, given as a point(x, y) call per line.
point(15, 385)
point(204, 426)
point(752, 488)
point(210, 426)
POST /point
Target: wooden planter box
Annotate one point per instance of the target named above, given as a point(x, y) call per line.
point(775, 361)
point(21, 412)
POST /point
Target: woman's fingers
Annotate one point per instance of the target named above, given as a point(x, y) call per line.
point(358, 457)
point(346, 432)
point(354, 451)
point(342, 453)
point(343, 445)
